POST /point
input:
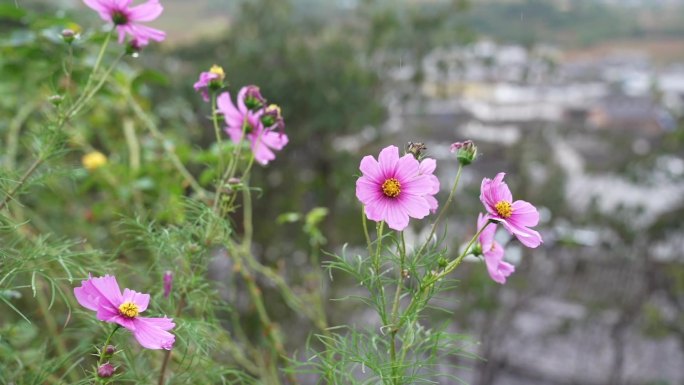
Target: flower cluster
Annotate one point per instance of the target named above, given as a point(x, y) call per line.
point(394, 189)
point(253, 119)
point(102, 295)
point(127, 18)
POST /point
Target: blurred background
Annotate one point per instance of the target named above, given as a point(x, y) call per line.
point(580, 102)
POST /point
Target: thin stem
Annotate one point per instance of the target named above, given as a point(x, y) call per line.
point(217, 130)
point(442, 211)
point(365, 231)
point(395, 307)
point(83, 101)
point(32, 168)
point(456, 262)
point(175, 160)
point(80, 101)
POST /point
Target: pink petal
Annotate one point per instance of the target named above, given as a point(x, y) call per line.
point(144, 33)
point(371, 169)
point(151, 332)
point(527, 237)
point(432, 202)
point(139, 299)
point(418, 185)
point(104, 8)
point(262, 154)
point(524, 214)
point(274, 140)
point(145, 12)
point(367, 191)
point(87, 296)
point(406, 168)
point(388, 158)
point(396, 218)
point(108, 289)
point(414, 206)
point(427, 166)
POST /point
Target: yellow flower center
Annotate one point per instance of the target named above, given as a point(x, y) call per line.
point(129, 309)
point(391, 188)
point(504, 209)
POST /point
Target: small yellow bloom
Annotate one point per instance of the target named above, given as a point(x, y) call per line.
point(218, 70)
point(93, 160)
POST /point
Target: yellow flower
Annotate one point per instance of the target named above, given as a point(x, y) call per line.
point(93, 160)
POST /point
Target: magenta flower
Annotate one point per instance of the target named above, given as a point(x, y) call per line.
point(493, 252)
point(102, 294)
point(126, 18)
point(243, 123)
point(516, 217)
point(392, 189)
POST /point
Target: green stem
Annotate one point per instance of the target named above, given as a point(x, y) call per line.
point(98, 61)
point(103, 351)
point(395, 309)
point(365, 231)
point(217, 130)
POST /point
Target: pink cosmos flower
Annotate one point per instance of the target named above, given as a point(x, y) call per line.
point(127, 18)
point(240, 121)
point(392, 189)
point(516, 217)
point(493, 252)
point(102, 294)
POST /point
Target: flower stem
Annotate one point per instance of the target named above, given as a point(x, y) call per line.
point(395, 309)
point(217, 130)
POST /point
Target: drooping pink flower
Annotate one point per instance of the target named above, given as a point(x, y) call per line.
point(392, 189)
point(213, 79)
point(243, 123)
point(516, 217)
point(126, 18)
point(493, 252)
point(102, 295)
point(427, 167)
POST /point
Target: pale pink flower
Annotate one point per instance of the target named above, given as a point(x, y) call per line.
point(243, 123)
point(102, 294)
point(392, 189)
point(493, 252)
point(516, 217)
point(126, 19)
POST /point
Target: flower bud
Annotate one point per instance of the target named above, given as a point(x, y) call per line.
point(168, 283)
point(109, 350)
point(466, 152)
point(416, 149)
point(134, 47)
point(272, 118)
point(93, 160)
point(105, 370)
point(219, 74)
point(69, 35)
point(253, 98)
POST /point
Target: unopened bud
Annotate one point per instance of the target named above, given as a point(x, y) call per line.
point(109, 350)
point(466, 152)
point(253, 98)
point(168, 283)
point(69, 35)
point(416, 149)
point(272, 118)
point(134, 47)
point(105, 370)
